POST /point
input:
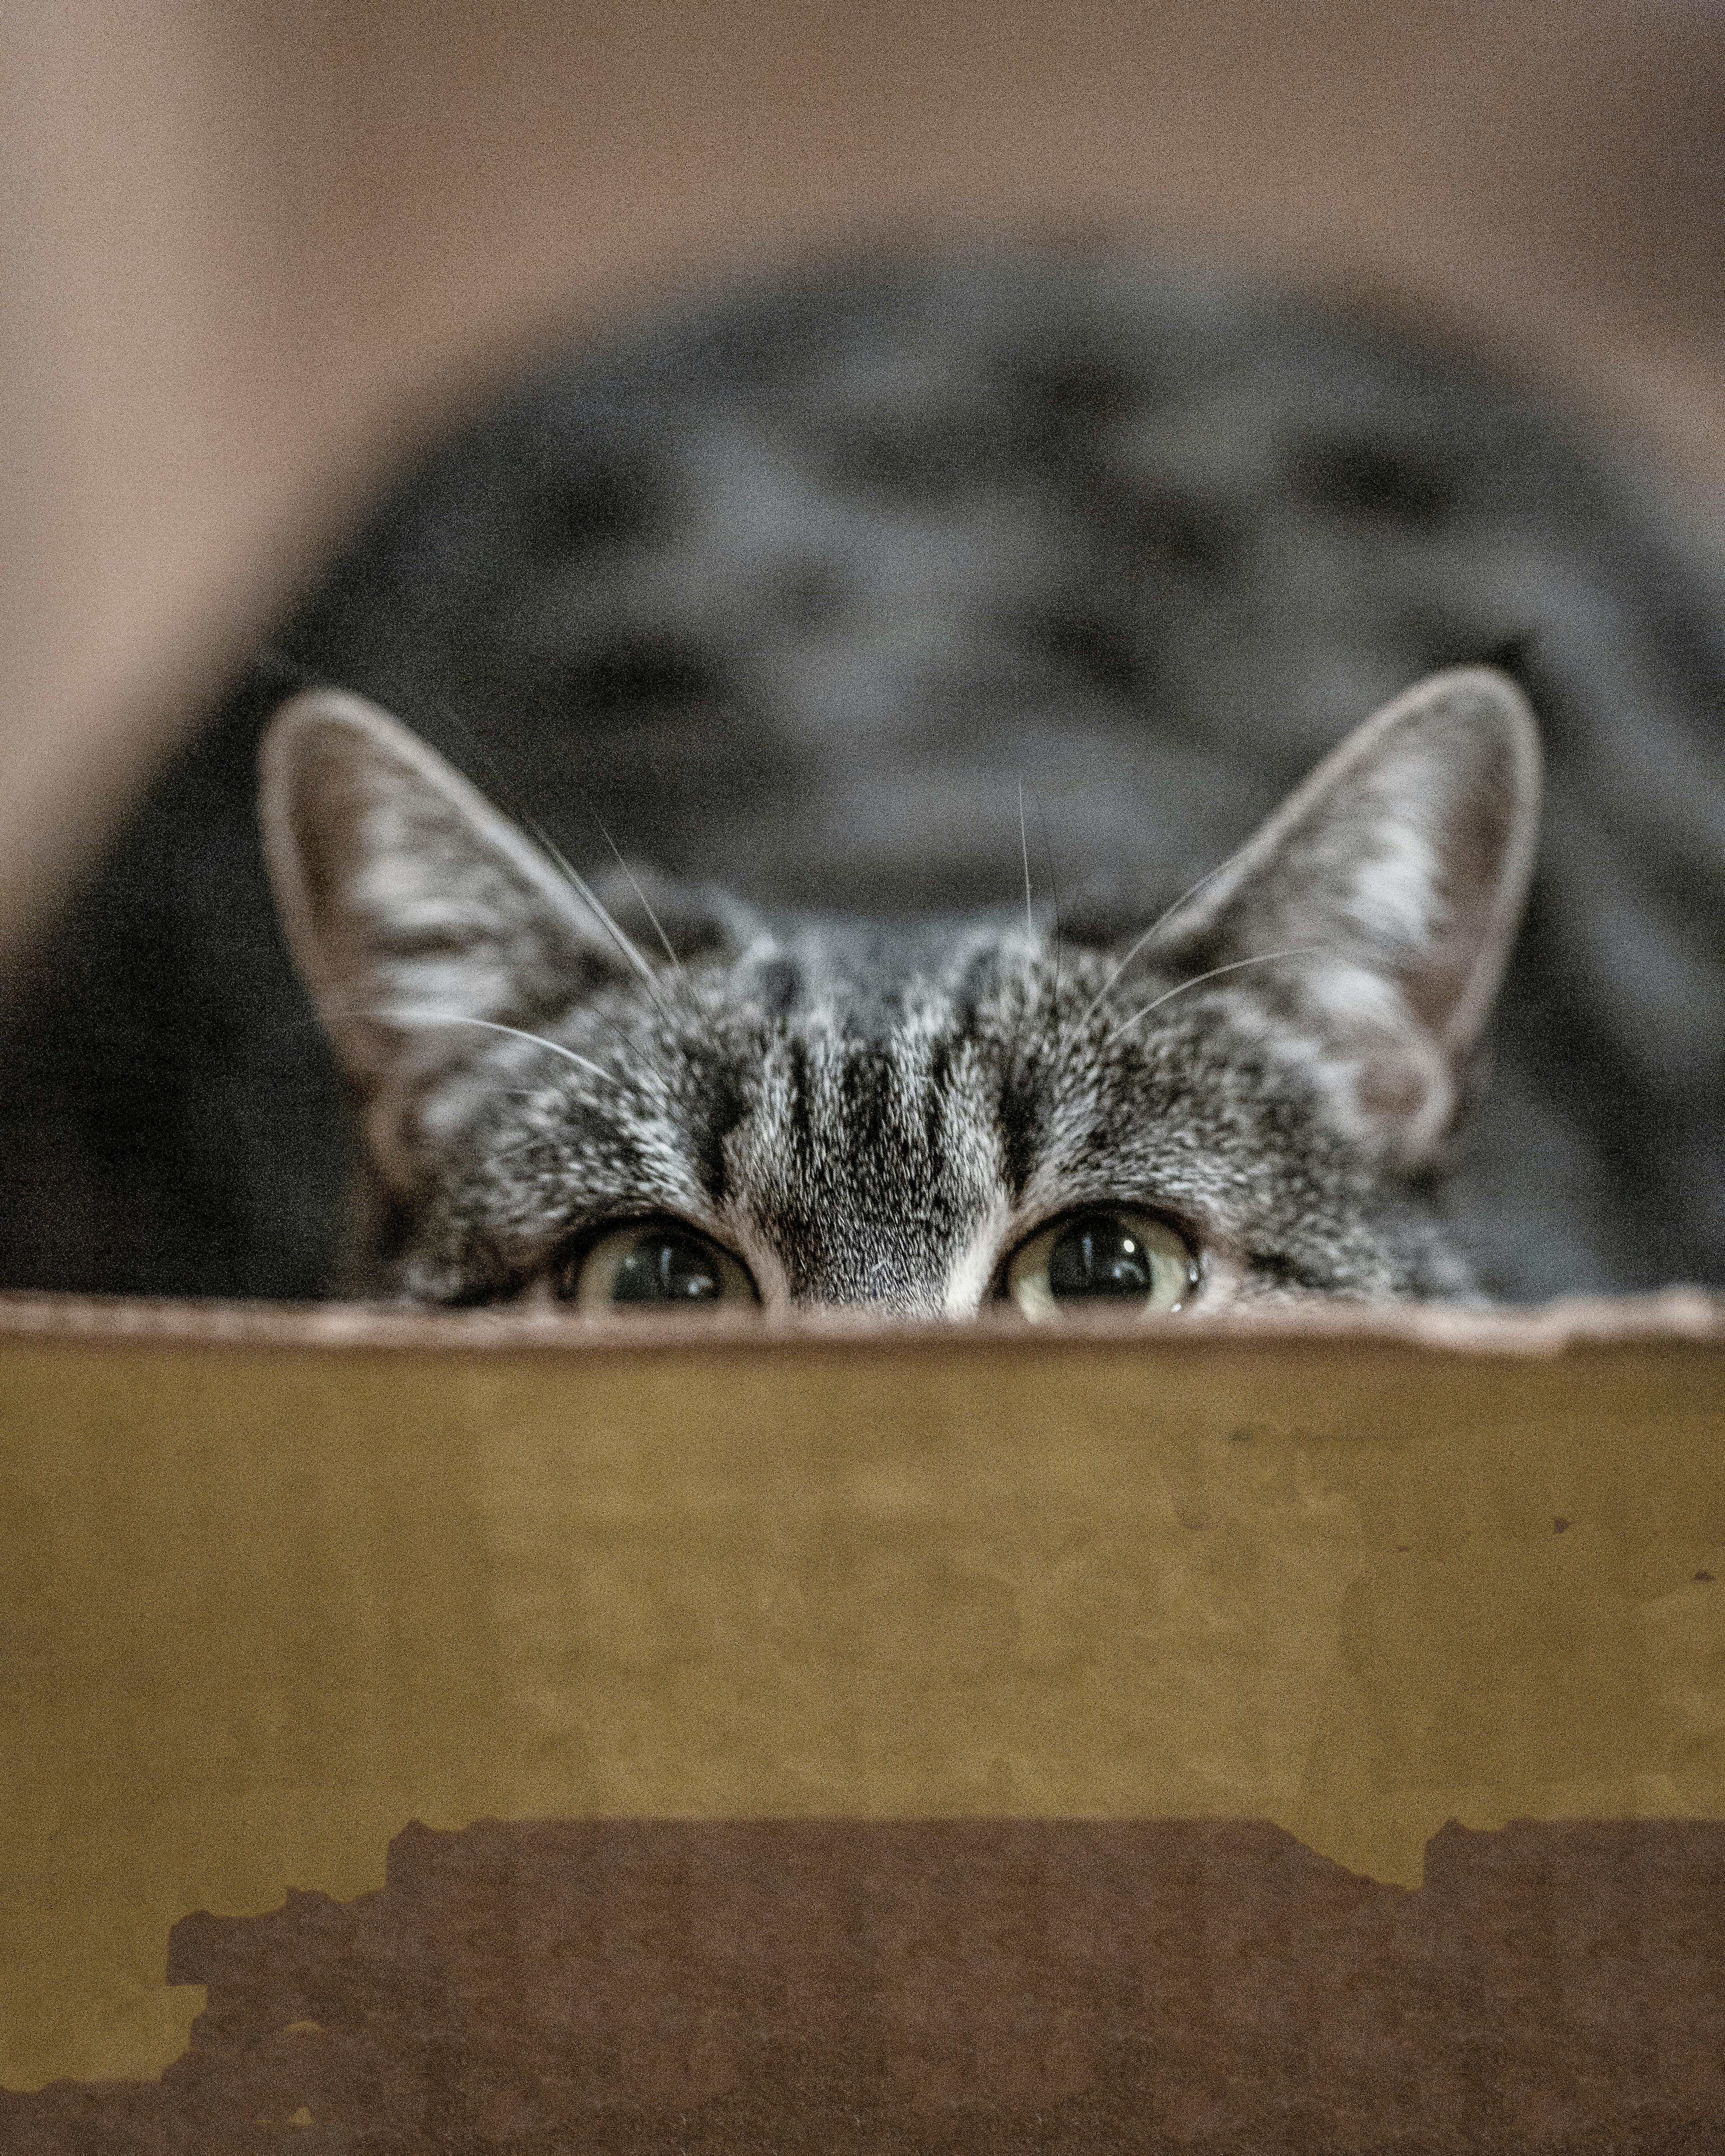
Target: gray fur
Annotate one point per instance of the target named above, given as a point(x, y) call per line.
point(874, 1115)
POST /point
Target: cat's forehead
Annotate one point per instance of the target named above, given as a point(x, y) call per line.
point(865, 1115)
point(869, 976)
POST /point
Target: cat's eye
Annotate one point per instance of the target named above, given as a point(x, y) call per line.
point(657, 1265)
point(1114, 1258)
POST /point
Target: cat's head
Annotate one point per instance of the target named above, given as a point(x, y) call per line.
point(639, 1097)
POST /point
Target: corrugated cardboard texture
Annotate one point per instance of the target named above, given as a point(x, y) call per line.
point(273, 1589)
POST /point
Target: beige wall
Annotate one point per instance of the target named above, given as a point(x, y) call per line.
point(249, 249)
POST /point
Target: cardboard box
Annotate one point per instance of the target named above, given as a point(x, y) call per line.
point(511, 1734)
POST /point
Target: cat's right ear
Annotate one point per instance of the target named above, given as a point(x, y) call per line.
point(1376, 907)
point(417, 916)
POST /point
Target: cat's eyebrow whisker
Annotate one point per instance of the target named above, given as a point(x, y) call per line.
point(1025, 848)
point(602, 913)
point(626, 1047)
point(1198, 980)
point(548, 846)
point(1148, 936)
point(1054, 900)
point(646, 904)
point(395, 1015)
point(1018, 1031)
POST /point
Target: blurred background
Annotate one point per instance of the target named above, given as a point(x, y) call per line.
point(253, 254)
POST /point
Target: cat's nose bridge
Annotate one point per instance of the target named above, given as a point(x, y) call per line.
point(872, 1223)
point(882, 1237)
point(863, 1173)
point(890, 1266)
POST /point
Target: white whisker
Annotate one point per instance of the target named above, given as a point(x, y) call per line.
point(397, 1016)
point(1198, 980)
point(1025, 848)
point(590, 898)
point(548, 845)
point(646, 906)
point(1054, 900)
point(1149, 935)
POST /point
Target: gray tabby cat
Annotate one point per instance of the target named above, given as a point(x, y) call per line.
point(786, 589)
point(1250, 1097)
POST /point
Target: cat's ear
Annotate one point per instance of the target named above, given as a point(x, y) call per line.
point(1393, 880)
point(418, 916)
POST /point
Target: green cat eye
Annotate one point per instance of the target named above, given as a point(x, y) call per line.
point(658, 1264)
point(1111, 1259)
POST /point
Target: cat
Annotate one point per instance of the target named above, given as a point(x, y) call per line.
point(789, 589)
point(1248, 1099)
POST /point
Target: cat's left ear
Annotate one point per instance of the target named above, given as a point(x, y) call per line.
point(1393, 881)
point(421, 920)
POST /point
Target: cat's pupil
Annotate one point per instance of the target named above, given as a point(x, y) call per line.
point(666, 1267)
point(1100, 1256)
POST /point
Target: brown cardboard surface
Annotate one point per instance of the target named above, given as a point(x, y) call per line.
point(274, 1586)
